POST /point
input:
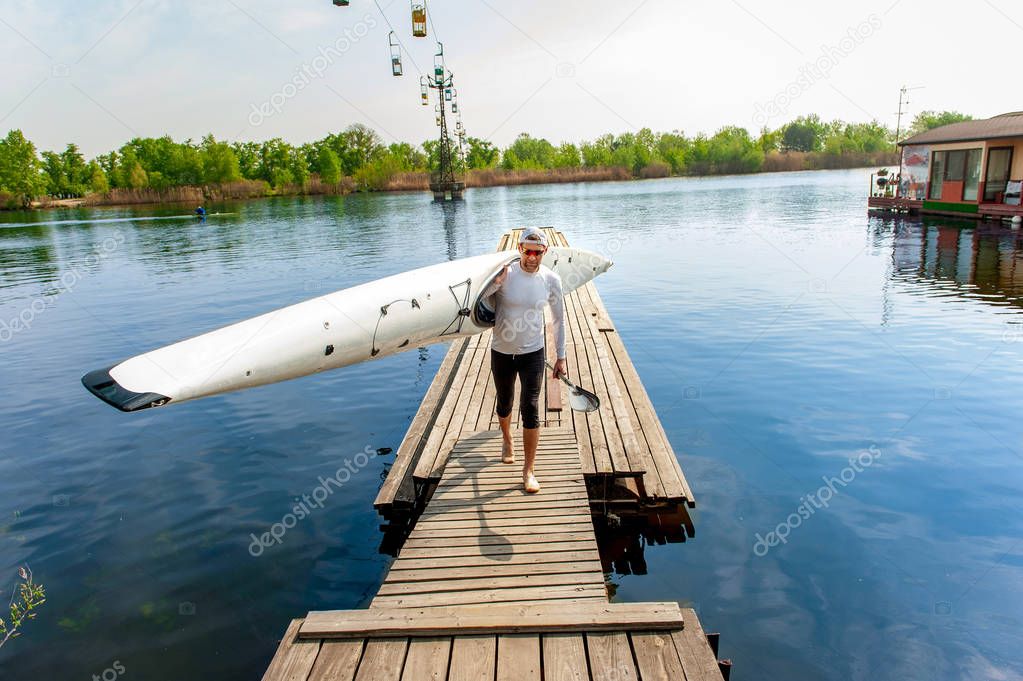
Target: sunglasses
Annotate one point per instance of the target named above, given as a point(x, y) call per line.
point(533, 251)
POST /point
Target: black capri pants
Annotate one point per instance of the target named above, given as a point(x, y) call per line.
point(529, 369)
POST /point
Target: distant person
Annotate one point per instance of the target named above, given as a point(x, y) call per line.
point(519, 293)
point(200, 212)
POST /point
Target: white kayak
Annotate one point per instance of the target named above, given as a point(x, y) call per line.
point(368, 321)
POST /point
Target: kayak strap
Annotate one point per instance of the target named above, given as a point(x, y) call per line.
point(461, 304)
point(374, 350)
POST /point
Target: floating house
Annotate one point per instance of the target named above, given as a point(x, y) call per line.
point(969, 169)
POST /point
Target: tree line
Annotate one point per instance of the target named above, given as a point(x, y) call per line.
point(358, 152)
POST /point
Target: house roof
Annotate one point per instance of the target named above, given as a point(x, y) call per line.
point(1004, 125)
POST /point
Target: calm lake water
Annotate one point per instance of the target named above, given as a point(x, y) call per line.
point(780, 332)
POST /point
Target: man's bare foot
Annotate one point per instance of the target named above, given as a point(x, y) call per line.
point(507, 452)
point(530, 484)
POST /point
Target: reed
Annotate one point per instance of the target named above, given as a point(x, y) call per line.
point(496, 177)
point(782, 161)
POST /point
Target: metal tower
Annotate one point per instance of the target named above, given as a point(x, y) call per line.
point(444, 182)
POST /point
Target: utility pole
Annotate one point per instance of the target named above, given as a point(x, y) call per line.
point(902, 102)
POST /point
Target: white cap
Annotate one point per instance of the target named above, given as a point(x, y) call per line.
point(533, 235)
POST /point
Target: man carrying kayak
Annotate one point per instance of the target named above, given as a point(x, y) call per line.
point(520, 293)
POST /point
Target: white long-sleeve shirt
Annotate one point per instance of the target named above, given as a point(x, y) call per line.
point(519, 302)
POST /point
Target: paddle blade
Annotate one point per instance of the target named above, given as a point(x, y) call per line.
point(582, 400)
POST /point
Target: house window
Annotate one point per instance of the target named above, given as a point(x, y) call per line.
point(937, 173)
point(971, 181)
point(959, 165)
point(999, 161)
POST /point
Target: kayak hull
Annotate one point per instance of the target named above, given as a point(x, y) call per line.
point(380, 318)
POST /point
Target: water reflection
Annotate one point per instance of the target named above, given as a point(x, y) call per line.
point(980, 261)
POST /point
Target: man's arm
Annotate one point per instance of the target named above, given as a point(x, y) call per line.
point(556, 299)
point(495, 285)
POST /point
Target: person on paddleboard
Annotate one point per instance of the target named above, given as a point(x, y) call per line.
point(520, 293)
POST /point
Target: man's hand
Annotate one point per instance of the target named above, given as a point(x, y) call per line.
point(560, 369)
point(501, 276)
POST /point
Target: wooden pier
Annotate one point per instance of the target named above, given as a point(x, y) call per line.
point(491, 583)
point(624, 453)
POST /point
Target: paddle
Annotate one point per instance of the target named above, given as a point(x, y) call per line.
point(580, 398)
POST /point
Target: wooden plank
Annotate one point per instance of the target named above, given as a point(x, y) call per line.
point(553, 387)
point(694, 650)
point(506, 475)
point(603, 390)
point(518, 657)
point(587, 577)
point(596, 434)
point(664, 457)
point(481, 372)
point(561, 464)
point(545, 537)
point(499, 524)
point(479, 566)
point(492, 596)
point(458, 415)
point(507, 486)
point(427, 659)
point(579, 421)
point(425, 465)
point(503, 551)
point(525, 558)
point(487, 419)
point(653, 480)
point(473, 658)
point(506, 502)
point(564, 658)
point(294, 659)
point(610, 656)
point(506, 533)
point(491, 491)
point(620, 415)
point(520, 550)
point(490, 440)
point(492, 619)
point(528, 511)
point(656, 656)
point(423, 421)
point(382, 660)
point(337, 660)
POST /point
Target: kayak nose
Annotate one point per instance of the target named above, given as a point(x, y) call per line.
point(101, 384)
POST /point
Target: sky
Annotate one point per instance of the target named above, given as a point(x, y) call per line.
point(99, 73)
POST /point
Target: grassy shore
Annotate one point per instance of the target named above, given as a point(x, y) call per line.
point(420, 181)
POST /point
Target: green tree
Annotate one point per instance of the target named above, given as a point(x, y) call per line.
point(328, 166)
point(53, 171)
point(672, 148)
point(408, 157)
point(926, 120)
point(567, 156)
point(482, 153)
point(75, 170)
point(527, 152)
point(806, 133)
point(98, 183)
point(597, 154)
point(20, 168)
point(218, 161)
